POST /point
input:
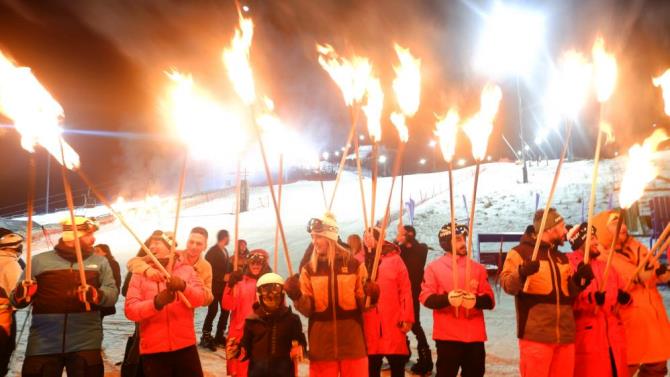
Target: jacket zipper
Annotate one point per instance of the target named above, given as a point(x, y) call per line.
point(556, 281)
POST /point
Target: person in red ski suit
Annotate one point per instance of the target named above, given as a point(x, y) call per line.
point(387, 321)
point(239, 297)
point(600, 340)
point(330, 290)
point(459, 329)
point(166, 326)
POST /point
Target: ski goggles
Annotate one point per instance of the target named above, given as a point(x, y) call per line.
point(162, 236)
point(317, 226)
point(270, 289)
point(256, 258)
point(461, 229)
point(84, 225)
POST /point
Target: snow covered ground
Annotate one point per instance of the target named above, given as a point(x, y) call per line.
point(503, 205)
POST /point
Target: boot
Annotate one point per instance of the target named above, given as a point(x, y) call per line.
point(206, 341)
point(424, 364)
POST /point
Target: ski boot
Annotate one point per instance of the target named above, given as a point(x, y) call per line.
point(424, 364)
point(206, 341)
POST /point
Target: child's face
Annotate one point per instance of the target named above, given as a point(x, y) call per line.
point(271, 296)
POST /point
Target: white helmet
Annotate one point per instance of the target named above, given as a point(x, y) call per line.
point(269, 278)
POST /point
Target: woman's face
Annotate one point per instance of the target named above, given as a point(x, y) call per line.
point(255, 267)
point(159, 248)
point(354, 243)
point(99, 251)
point(321, 245)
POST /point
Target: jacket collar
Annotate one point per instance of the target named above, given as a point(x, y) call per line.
point(68, 253)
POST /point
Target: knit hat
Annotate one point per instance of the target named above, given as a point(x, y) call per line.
point(84, 226)
point(444, 235)
point(553, 218)
point(577, 235)
point(326, 226)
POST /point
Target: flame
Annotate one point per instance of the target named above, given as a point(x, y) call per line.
point(640, 169)
point(573, 82)
point(274, 132)
point(350, 75)
point(36, 114)
point(604, 71)
point(606, 127)
point(236, 60)
point(373, 109)
point(479, 127)
point(202, 123)
point(664, 82)
point(446, 129)
point(399, 122)
point(407, 84)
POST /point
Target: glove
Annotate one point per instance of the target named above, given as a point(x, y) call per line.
point(662, 269)
point(436, 301)
point(154, 275)
point(235, 277)
point(89, 294)
point(484, 302)
point(529, 268)
point(469, 300)
point(163, 298)
point(623, 297)
point(371, 290)
point(292, 287)
point(175, 283)
point(456, 298)
point(23, 291)
point(404, 326)
point(583, 276)
point(232, 348)
point(600, 298)
point(296, 351)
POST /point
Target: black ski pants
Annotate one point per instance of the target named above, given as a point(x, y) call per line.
point(397, 363)
point(417, 330)
point(183, 362)
point(212, 310)
point(470, 358)
point(77, 364)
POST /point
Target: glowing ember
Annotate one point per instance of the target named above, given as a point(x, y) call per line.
point(640, 169)
point(373, 109)
point(663, 81)
point(479, 127)
point(446, 130)
point(604, 71)
point(350, 75)
point(236, 60)
point(202, 123)
point(36, 114)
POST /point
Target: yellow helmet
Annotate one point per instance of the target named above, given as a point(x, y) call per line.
point(84, 226)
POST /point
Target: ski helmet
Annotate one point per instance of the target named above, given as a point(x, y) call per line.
point(10, 240)
point(270, 289)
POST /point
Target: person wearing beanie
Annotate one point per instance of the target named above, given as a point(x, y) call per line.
point(459, 329)
point(600, 343)
point(329, 291)
point(544, 292)
point(166, 325)
point(645, 321)
point(63, 333)
point(415, 254)
point(391, 313)
point(272, 340)
point(218, 258)
point(239, 297)
point(11, 247)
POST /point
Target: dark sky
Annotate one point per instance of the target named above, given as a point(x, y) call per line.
point(104, 62)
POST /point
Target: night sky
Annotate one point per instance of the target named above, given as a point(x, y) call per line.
point(105, 61)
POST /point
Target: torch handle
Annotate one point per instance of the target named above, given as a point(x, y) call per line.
point(615, 239)
point(123, 222)
point(236, 232)
point(28, 275)
point(360, 184)
point(452, 214)
point(343, 159)
point(375, 153)
point(279, 192)
point(468, 261)
point(643, 263)
point(592, 198)
point(180, 193)
point(547, 206)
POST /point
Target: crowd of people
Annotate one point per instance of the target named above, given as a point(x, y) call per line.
point(361, 298)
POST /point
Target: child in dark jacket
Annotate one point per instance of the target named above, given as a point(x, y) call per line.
point(273, 339)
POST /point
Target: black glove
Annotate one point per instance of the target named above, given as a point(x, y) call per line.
point(437, 301)
point(92, 295)
point(662, 269)
point(292, 287)
point(484, 302)
point(175, 283)
point(235, 277)
point(371, 290)
point(583, 276)
point(163, 298)
point(600, 298)
point(528, 268)
point(623, 297)
point(21, 292)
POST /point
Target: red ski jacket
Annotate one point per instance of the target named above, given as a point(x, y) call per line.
point(382, 321)
point(170, 328)
point(240, 302)
point(599, 330)
point(438, 279)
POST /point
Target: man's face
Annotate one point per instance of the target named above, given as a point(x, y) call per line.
point(595, 245)
point(87, 240)
point(320, 245)
point(196, 244)
point(224, 242)
point(623, 232)
point(159, 249)
point(460, 245)
point(558, 233)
